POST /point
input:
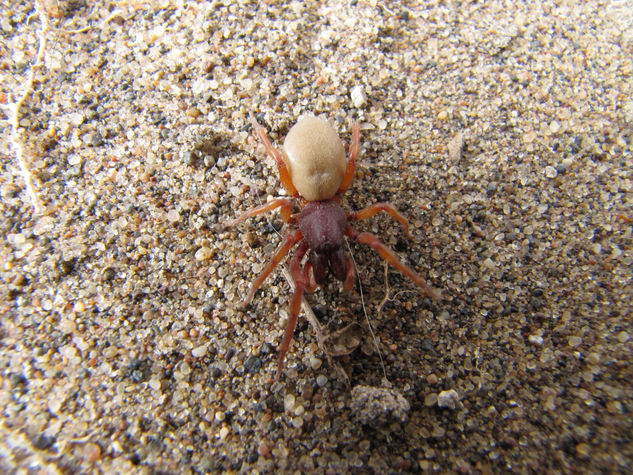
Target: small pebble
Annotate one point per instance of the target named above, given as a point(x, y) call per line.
point(448, 399)
point(199, 351)
point(430, 399)
point(455, 147)
point(315, 363)
point(91, 452)
point(535, 340)
point(203, 254)
point(614, 407)
point(289, 402)
point(253, 364)
point(574, 341)
point(264, 449)
point(190, 157)
point(357, 94)
point(173, 216)
point(93, 139)
point(550, 172)
point(583, 450)
point(154, 383)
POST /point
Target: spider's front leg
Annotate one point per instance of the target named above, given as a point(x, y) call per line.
point(284, 204)
point(284, 174)
point(298, 275)
point(288, 242)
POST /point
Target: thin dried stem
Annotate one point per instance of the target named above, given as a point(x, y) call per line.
point(362, 300)
point(15, 106)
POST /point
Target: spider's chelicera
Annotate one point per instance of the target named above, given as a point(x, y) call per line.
point(315, 173)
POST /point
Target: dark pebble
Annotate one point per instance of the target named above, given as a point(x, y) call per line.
point(108, 274)
point(190, 157)
point(43, 442)
point(253, 364)
point(66, 266)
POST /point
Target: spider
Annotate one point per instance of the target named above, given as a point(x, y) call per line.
point(315, 173)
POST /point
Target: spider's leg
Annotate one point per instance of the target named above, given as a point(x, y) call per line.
point(351, 160)
point(391, 258)
point(284, 203)
point(289, 241)
point(295, 303)
point(284, 174)
point(377, 208)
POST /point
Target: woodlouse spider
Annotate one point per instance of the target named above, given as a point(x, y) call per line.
point(315, 173)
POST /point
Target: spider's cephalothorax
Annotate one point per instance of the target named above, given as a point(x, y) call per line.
point(314, 171)
point(323, 224)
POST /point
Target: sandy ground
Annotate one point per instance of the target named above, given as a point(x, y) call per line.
point(501, 130)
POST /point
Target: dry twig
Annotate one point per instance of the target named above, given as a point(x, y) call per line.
point(14, 107)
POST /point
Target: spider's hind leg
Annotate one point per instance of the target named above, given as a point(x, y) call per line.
point(392, 259)
point(298, 275)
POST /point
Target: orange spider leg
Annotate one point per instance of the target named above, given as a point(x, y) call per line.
point(284, 203)
point(351, 275)
point(351, 160)
point(289, 241)
point(284, 174)
point(391, 258)
point(295, 303)
point(377, 208)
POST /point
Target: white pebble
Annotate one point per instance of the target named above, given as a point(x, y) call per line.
point(199, 351)
point(550, 172)
point(535, 340)
point(315, 363)
point(203, 254)
point(357, 94)
point(173, 216)
point(289, 402)
point(448, 399)
point(154, 383)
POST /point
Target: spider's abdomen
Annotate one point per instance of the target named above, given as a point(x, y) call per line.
point(323, 225)
point(315, 157)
